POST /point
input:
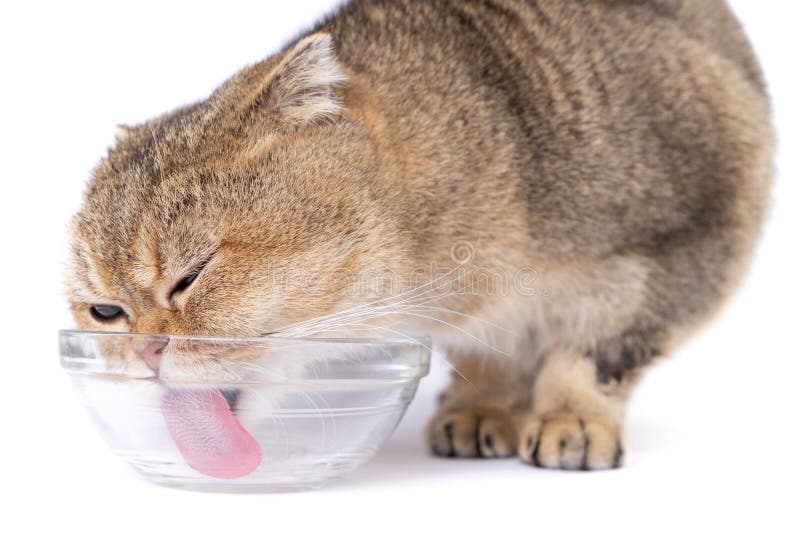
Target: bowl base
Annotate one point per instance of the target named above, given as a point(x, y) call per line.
point(235, 488)
point(283, 483)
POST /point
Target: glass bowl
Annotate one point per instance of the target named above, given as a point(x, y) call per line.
point(243, 414)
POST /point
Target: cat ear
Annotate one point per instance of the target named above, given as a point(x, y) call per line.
point(122, 132)
point(300, 90)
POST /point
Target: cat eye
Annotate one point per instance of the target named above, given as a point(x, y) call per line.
point(106, 314)
point(183, 285)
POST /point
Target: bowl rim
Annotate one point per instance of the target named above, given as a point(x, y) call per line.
point(417, 352)
point(424, 341)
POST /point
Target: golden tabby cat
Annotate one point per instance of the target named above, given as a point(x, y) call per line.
point(558, 191)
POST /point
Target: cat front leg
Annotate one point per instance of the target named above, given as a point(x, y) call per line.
point(578, 409)
point(479, 412)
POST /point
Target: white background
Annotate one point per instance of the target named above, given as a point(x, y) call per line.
point(713, 431)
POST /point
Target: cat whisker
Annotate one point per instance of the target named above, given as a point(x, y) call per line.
point(448, 363)
point(387, 299)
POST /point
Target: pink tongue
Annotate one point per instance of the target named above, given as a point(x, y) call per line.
point(209, 436)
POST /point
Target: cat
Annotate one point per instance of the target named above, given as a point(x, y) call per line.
point(559, 192)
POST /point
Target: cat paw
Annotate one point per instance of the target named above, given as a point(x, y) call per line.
point(571, 441)
point(472, 433)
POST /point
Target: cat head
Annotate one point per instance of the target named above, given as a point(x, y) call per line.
point(239, 215)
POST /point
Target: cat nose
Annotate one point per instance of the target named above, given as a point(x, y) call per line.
point(151, 354)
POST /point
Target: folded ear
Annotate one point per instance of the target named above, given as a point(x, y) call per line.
point(300, 90)
point(122, 132)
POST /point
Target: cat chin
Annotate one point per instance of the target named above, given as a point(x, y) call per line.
point(137, 368)
point(193, 370)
